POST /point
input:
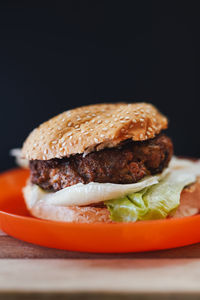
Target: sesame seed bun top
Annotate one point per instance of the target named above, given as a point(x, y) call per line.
point(93, 127)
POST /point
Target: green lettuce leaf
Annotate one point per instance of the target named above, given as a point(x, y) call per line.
point(155, 202)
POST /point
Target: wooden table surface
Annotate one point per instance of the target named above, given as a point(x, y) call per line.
point(32, 272)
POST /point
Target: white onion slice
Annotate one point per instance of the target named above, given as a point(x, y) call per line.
point(84, 194)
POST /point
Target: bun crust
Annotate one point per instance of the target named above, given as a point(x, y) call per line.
point(93, 127)
point(190, 205)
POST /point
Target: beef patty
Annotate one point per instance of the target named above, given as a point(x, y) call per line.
point(127, 163)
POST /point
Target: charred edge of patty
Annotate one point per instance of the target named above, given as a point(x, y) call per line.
point(127, 163)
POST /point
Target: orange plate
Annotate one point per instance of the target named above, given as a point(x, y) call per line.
point(123, 237)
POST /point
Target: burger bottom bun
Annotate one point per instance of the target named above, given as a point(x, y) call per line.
point(190, 205)
point(190, 201)
point(86, 214)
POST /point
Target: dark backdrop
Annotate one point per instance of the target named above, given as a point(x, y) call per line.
point(57, 56)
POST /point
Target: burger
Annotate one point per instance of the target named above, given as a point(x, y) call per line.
point(108, 163)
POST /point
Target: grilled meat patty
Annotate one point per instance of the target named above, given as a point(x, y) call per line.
point(127, 163)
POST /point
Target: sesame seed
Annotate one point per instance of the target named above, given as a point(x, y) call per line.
point(54, 142)
point(102, 135)
point(62, 140)
point(131, 126)
point(108, 115)
point(134, 121)
point(70, 137)
point(127, 118)
point(111, 125)
point(45, 151)
point(99, 121)
point(44, 157)
point(94, 115)
point(76, 126)
point(136, 113)
point(80, 138)
point(86, 111)
point(59, 128)
point(141, 136)
point(63, 120)
point(150, 129)
point(96, 140)
point(122, 121)
point(69, 133)
point(69, 124)
point(78, 119)
point(148, 133)
point(115, 119)
point(141, 120)
point(105, 129)
point(123, 130)
point(93, 121)
point(63, 144)
point(121, 118)
point(106, 121)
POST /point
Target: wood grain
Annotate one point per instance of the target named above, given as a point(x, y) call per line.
point(13, 248)
point(107, 277)
point(32, 272)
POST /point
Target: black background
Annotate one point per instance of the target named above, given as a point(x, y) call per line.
point(58, 55)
